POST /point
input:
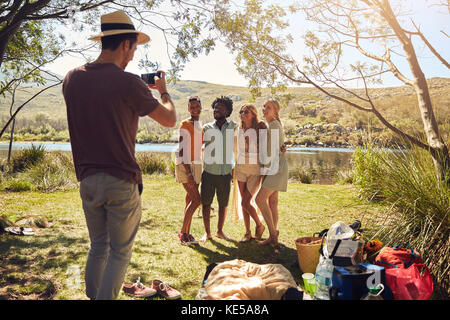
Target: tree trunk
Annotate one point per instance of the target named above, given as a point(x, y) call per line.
point(5, 36)
point(439, 150)
point(11, 141)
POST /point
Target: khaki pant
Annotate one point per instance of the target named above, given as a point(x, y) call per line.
point(112, 208)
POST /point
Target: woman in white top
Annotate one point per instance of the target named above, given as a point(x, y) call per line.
point(276, 173)
point(248, 168)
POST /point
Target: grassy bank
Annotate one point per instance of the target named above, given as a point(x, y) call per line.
point(42, 266)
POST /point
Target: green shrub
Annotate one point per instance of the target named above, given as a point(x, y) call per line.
point(367, 173)
point(27, 158)
point(419, 202)
point(17, 185)
point(302, 174)
point(344, 176)
point(55, 172)
point(309, 140)
point(151, 163)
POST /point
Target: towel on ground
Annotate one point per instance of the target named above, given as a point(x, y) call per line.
point(241, 280)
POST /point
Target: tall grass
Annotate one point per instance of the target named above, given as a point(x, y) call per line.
point(303, 174)
point(36, 169)
point(26, 158)
point(407, 182)
point(55, 172)
point(159, 163)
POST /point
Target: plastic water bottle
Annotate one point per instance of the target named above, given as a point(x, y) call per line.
point(374, 293)
point(324, 272)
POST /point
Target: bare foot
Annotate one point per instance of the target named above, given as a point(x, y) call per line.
point(247, 237)
point(265, 242)
point(206, 237)
point(259, 231)
point(222, 235)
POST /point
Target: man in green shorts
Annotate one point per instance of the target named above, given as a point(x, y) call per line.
point(218, 164)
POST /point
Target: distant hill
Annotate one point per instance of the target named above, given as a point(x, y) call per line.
point(302, 108)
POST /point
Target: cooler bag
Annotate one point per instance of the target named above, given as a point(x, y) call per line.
point(352, 282)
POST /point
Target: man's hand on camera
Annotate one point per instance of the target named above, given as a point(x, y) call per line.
point(160, 83)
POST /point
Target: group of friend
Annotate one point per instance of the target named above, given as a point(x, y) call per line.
point(248, 156)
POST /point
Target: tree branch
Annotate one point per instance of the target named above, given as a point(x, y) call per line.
point(432, 49)
point(24, 104)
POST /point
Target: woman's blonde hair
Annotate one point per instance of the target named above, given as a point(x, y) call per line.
point(252, 109)
point(276, 107)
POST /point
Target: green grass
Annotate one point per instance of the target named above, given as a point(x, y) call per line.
point(37, 267)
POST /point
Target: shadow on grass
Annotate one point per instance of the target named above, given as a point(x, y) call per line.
point(251, 252)
point(27, 262)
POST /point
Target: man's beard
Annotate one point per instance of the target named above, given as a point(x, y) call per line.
point(219, 118)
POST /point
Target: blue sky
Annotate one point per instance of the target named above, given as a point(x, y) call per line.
point(218, 67)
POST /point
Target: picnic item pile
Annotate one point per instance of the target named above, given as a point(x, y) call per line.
point(349, 268)
point(336, 264)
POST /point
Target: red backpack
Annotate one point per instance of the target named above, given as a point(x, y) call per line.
point(397, 257)
point(406, 275)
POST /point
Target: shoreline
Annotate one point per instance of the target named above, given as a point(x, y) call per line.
point(293, 147)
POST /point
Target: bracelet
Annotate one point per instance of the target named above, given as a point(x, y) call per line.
point(164, 94)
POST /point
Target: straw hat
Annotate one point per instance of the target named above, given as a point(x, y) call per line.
point(118, 22)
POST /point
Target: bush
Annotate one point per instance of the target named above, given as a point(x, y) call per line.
point(55, 172)
point(420, 202)
point(367, 172)
point(151, 163)
point(344, 176)
point(303, 174)
point(27, 158)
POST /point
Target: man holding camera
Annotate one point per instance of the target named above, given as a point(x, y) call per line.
point(104, 104)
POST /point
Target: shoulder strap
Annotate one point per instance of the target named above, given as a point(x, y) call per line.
point(338, 243)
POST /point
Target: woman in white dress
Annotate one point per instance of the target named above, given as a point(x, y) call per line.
point(274, 181)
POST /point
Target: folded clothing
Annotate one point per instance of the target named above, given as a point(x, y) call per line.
point(241, 280)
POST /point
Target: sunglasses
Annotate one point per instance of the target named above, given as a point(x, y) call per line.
point(243, 111)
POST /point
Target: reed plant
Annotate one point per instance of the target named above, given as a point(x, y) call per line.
point(406, 181)
point(155, 163)
point(344, 176)
point(303, 174)
point(46, 171)
point(55, 172)
point(26, 158)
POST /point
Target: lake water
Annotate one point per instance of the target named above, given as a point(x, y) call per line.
point(324, 161)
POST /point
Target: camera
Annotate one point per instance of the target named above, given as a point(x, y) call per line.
point(149, 77)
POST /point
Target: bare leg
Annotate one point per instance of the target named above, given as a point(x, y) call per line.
point(273, 204)
point(193, 196)
point(245, 213)
point(221, 222)
point(262, 200)
point(206, 212)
